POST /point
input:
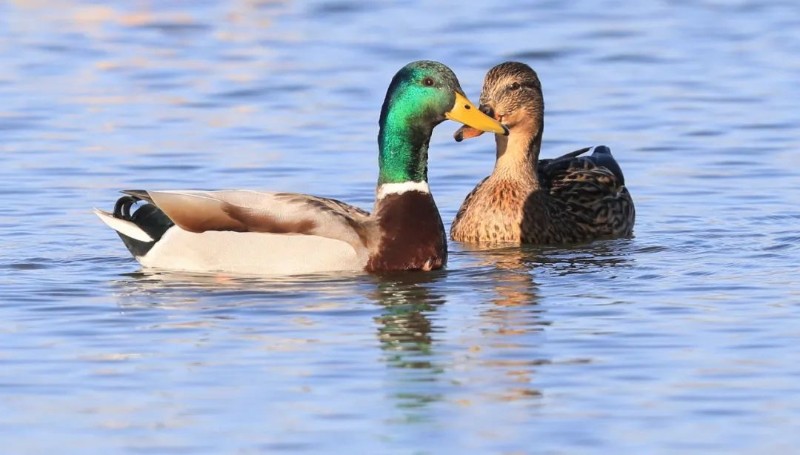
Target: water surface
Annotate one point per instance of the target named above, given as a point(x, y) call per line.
point(682, 339)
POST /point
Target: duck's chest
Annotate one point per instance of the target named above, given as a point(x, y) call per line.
point(494, 213)
point(411, 234)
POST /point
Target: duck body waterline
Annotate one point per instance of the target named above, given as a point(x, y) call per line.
point(574, 198)
point(252, 232)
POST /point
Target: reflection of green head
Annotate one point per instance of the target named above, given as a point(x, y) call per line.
point(418, 98)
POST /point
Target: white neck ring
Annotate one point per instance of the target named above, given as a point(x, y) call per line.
point(400, 188)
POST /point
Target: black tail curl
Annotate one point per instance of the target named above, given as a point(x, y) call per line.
point(122, 209)
point(147, 217)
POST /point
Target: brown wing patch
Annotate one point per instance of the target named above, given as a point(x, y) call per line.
point(202, 220)
point(330, 205)
point(252, 221)
point(357, 219)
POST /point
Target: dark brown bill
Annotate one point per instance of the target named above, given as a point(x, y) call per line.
point(466, 132)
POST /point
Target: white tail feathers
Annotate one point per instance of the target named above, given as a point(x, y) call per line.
point(124, 227)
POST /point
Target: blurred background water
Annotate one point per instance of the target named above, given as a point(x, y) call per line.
point(683, 339)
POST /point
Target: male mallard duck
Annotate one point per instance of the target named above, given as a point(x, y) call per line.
point(572, 198)
point(282, 233)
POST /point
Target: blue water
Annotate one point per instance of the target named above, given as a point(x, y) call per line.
point(684, 339)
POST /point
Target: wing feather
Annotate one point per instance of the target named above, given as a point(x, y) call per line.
point(255, 211)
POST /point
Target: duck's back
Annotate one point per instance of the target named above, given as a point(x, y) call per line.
point(586, 199)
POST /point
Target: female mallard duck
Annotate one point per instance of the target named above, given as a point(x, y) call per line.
point(282, 233)
point(568, 199)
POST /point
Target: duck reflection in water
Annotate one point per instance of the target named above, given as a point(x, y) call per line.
point(458, 358)
point(405, 328)
point(512, 326)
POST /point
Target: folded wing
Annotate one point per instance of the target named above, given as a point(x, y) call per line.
point(600, 166)
point(254, 211)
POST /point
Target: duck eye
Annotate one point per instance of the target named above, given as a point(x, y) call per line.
point(428, 82)
point(514, 86)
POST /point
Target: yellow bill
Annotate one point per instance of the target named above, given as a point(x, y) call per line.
point(465, 112)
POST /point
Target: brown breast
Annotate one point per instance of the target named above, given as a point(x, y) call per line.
point(412, 234)
point(492, 212)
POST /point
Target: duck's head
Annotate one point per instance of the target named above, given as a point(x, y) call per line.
point(425, 93)
point(511, 94)
point(422, 95)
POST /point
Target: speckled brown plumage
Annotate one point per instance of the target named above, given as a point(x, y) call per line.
point(573, 198)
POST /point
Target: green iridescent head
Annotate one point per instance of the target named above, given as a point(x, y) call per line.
point(422, 95)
